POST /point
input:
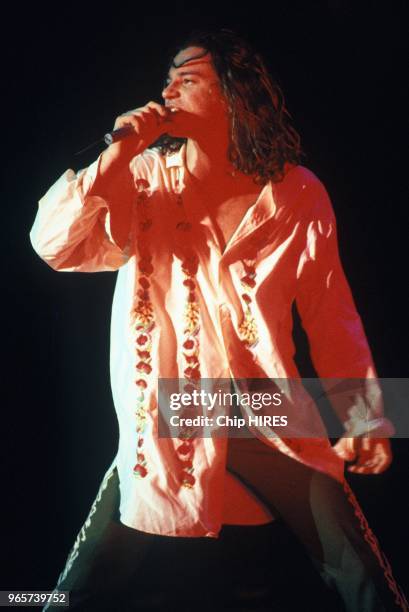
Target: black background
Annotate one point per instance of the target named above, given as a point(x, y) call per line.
point(68, 71)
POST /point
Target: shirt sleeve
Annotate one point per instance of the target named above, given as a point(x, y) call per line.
point(338, 345)
point(76, 232)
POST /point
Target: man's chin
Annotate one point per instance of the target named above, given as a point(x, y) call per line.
point(180, 125)
point(177, 133)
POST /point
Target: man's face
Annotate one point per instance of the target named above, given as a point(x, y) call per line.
point(193, 88)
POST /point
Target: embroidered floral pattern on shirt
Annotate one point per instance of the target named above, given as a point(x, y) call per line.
point(144, 324)
point(190, 347)
point(248, 327)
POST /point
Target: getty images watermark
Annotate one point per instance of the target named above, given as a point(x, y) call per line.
point(212, 402)
point(306, 408)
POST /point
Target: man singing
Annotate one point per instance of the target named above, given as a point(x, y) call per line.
point(215, 232)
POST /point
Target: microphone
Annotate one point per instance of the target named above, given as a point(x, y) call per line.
point(118, 134)
point(126, 131)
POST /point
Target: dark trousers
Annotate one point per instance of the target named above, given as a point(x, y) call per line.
point(106, 562)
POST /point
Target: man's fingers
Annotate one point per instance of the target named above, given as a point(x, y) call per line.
point(139, 117)
point(377, 468)
point(374, 459)
point(371, 456)
point(364, 467)
point(162, 110)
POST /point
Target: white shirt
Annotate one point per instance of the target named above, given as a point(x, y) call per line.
point(183, 309)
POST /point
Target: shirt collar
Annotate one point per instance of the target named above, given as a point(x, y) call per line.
point(176, 159)
point(263, 209)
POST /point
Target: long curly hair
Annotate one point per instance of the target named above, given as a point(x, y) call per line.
point(262, 138)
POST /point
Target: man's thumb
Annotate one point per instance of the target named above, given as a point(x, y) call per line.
point(345, 448)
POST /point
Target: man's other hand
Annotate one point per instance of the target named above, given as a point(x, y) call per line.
point(367, 455)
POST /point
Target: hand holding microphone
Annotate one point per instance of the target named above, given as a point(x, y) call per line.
point(146, 122)
point(133, 132)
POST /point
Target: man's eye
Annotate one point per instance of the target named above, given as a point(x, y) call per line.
point(188, 81)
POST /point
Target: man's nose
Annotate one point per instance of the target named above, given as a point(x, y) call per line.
point(169, 92)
